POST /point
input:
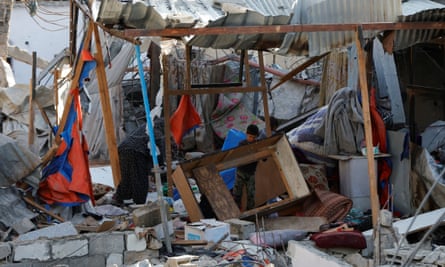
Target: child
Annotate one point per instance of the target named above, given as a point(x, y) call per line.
point(245, 175)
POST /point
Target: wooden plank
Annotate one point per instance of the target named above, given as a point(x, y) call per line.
point(291, 173)
point(265, 29)
point(298, 69)
point(244, 160)
point(271, 208)
point(182, 242)
point(375, 205)
point(187, 196)
point(264, 94)
point(213, 187)
point(268, 181)
point(107, 112)
point(167, 133)
point(69, 99)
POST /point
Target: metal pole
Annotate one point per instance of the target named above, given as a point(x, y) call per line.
point(156, 169)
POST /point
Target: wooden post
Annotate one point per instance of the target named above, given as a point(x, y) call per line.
point(168, 143)
point(32, 91)
point(264, 94)
point(74, 84)
point(56, 93)
point(375, 205)
point(106, 109)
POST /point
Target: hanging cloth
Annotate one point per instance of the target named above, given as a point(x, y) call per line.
point(379, 138)
point(66, 180)
point(185, 119)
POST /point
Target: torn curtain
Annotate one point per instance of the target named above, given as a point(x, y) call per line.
point(67, 180)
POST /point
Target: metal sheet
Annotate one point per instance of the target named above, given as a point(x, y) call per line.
point(161, 14)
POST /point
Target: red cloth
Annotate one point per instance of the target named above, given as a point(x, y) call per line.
point(379, 138)
point(184, 119)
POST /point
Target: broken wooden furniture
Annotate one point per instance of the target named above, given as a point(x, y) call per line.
point(282, 175)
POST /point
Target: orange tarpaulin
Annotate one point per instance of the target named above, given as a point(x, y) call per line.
point(67, 180)
point(185, 119)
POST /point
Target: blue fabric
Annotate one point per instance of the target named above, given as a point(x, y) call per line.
point(232, 140)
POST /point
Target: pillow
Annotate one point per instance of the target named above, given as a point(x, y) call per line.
point(315, 176)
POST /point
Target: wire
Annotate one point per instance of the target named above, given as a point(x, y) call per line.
point(38, 12)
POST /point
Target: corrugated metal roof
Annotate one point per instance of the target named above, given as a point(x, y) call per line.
point(419, 11)
point(335, 12)
point(161, 14)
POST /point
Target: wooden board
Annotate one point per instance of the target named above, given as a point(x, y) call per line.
point(268, 183)
point(290, 171)
point(213, 187)
point(187, 196)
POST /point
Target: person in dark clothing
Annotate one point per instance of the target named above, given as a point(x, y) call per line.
point(245, 174)
point(136, 164)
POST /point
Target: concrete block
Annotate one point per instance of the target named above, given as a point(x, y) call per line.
point(241, 228)
point(106, 243)
point(304, 253)
point(131, 257)
point(148, 215)
point(19, 264)
point(69, 247)
point(5, 250)
point(135, 244)
point(23, 226)
point(35, 250)
point(57, 230)
point(115, 260)
point(92, 260)
point(55, 263)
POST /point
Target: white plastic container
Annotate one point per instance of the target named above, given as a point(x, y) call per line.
point(354, 180)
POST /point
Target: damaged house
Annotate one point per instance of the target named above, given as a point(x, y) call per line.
point(162, 92)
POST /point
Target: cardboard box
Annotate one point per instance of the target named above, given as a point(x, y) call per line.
point(207, 229)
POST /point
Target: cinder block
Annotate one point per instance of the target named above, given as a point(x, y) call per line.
point(106, 243)
point(303, 253)
point(148, 215)
point(241, 228)
point(135, 244)
point(115, 259)
point(5, 250)
point(93, 260)
point(69, 247)
point(131, 257)
point(32, 250)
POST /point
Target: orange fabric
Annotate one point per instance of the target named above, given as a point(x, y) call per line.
point(69, 180)
point(184, 119)
point(379, 138)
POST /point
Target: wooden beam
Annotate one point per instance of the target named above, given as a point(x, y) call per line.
point(167, 133)
point(239, 89)
point(213, 187)
point(32, 91)
point(107, 112)
point(298, 69)
point(187, 196)
point(375, 206)
point(371, 26)
point(69, 99)
point(264, 94)
point(244, 160)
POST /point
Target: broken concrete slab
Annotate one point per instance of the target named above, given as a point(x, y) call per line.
point(303, 253)
point(16, 161)
point(57, 230)
point(10, 197)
